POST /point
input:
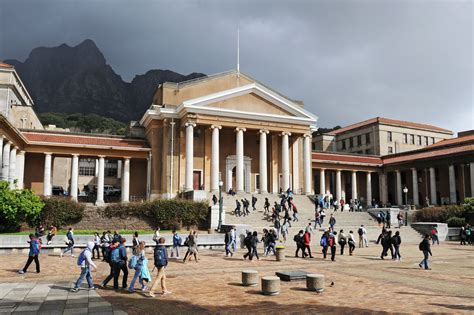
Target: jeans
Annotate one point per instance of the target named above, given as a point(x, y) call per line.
point(333, 252)
point(138, 271)
point(30, 260)
point(325, 251)
point(117, 268)
point(69, 248)
point(435, 239)
point(110, 276)
point(254, 252)
point(307, 247)
point(351, 247)
point(175, 250)
point(96, 249)
point(85, 272)
point(227, 249)
point(424, 262)
point(298, 248)
point(397, 255)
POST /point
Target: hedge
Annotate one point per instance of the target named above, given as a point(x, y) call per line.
point(166, 213)
point(61, 211)
point(439, 214)
point(456, 222)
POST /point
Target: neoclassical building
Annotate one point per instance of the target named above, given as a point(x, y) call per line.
point(231, 130)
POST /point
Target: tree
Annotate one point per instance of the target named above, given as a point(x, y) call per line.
point(17, 206)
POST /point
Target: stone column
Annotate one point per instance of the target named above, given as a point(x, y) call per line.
point(414, 175)
point(239, 170)
point(100, 182)
point(6, 161)
point(215, 158)
point(1, 156)
point(126, 180)
point(12, 168)
point(285, 161)
point(399, 188)
point(354, 185)
point(188, 183)
point(263, 161)
point(295, 169)
point(47, 187)
point(471, 171)
point(307, 164)
point(119, 169)
point(338, 185)
point(452, 185)
point(383, 188)
point(74, 176)
point(433, 198)
point(20, 169)
point(369, 188)
point(148, 177)
point(322, 181)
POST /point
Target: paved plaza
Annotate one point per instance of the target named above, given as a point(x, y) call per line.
point(362, 283)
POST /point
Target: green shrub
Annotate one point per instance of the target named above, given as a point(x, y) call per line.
point(468, 205)
point(60, 211)
point(441, 214)
point(166, 213)
point(456, 222)
point(17, 206)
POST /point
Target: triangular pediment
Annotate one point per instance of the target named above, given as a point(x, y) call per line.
point(253, 99)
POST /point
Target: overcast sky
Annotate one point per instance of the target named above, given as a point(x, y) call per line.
point(347, 60)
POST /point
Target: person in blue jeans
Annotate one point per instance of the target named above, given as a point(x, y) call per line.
point(138, 257)
point(425, 247)
point(70, 243)
point(85, 261)
point(33, 255)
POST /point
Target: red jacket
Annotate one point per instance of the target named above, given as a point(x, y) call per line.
point(307, 238)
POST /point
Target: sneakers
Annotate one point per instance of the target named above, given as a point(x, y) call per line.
point(166, 292)
point(61, 254)
point(93, 288)
point(73, 256)
point(144, 288)
point(21, 272)
point(420, 265)
point(74, 290)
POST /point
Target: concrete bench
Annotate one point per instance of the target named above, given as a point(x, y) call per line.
point(270, 285)
point(315, 282)
point(249, 278)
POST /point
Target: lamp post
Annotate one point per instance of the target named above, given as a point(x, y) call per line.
point(405, 191)
point(220, 205)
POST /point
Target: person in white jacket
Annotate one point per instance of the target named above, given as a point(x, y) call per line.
point(85, 261)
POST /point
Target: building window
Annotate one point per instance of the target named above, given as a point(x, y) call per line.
point(412, 139)
point(359, 140)
point(405, 138)
point(367, 138)
point(368, 151)
point(426, 140)
point(390, 150)
point(314, 146)
point(86, 167)
point(351, 143)
point(111, 168)
point(432, 140)
point(419, 140)
point(343, 144)
point(389, 136)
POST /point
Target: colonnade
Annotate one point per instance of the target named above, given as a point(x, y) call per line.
point(12, 162)
point(263, 154)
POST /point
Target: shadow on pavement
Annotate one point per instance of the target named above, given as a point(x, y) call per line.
point(456, 306)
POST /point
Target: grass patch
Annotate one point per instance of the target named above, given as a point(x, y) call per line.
point(91, 232)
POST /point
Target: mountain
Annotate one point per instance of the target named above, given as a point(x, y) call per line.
point(77, 79)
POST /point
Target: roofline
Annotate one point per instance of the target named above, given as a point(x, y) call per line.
point(84, 134)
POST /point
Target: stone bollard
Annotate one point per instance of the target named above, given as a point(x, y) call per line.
point(280, 253)
point(249, 278)
point(270, 285)
point(315, 282)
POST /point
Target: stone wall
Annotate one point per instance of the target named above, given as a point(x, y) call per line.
point(95, 219)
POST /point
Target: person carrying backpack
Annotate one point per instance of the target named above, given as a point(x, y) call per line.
point(136, 262)
point(332, 245)
point(35, 247)
point(298, 238)
point(161, 261)
point(109, 251)
point(248, 245)
point(324, 242)
point(69, 243)
point(85, 262)
point(307, 244)
point(176, 244)
point(119, 261)
point(425, 247)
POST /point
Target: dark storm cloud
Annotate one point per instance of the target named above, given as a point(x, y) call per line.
point(347, 60)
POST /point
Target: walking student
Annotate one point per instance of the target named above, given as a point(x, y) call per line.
point(136, 262)
point(396, 241)
point(425, 247)
point(85, 262)
point(51, 233)
point(176, 244)
point(119, 259)
point(307, 243)
point(324, 243)
point(341, 240)
point(97, 244)
point(298, 238)
point(191, 242)
point(110, 251)
point(351, 242)
point(33, 254)
point(161, 261)
point(69, 243)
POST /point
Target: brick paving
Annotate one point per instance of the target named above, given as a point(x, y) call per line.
point(362, 284)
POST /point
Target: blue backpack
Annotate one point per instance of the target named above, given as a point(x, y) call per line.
point(115, 256)
point(81, 257)
point(132, 263)
point(160, 256)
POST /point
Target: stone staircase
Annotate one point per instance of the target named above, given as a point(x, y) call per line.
point(344, 220)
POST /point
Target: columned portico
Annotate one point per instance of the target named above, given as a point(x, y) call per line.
point(354, 185)
point(399, 188)
point(20, 169)
point(74, 176)
point(263, 161)
point(369, 188)
point(414, 175)
point(6, 161)
point(239, 170)
point(452, 185)
point(285, 160)
point(215, 158)
point(47, 187)
point(307, 163)
point(12, 168)
point(100, 181)
point(322, 182)
point(126, 180)
point(188, 184)
point(433, 186)
point(338, 185)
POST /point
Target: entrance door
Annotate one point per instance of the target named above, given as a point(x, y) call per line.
point(197, 180)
